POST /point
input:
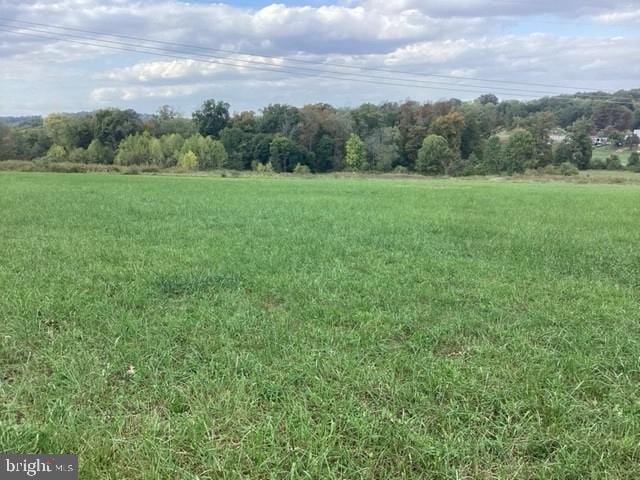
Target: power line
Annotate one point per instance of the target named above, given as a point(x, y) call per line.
point(510, 90)
point(276, 68)
point(295, 60)
point(264, 67)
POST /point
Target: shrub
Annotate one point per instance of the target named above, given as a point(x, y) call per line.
point(188, 160)
point(568, 169)
point(634, 160)
point(597, 164)
point(67, 167)
point(264, 169)
point(300, 169)
point(56, 154)
point(78, 155)
point(140, 149)
point(209, 152)
point(401, 170)
point(461, 168)
point(614, 163)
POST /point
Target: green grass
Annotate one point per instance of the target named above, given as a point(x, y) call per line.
point(602, 153)
point(321, 328)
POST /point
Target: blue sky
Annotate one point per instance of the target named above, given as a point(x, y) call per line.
point(578, 44)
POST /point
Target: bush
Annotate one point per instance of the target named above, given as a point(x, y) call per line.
point(614, 163)
point(568, 169)
point(597, 164)
point(210, 153)
point(56, 154)
point(300, 169)
point(67, 167)
point(78, 155)
point(401, 170)
point(188, 160)
point(140, 149)
point(634, 161)
point(264, 169)
point(462, 168)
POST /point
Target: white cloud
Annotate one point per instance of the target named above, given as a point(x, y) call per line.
point(461, 37)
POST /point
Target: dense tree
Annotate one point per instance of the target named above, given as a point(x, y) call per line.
point(210, 153)
point(69, 132)
point(383, 149)
point(580, 143)
point(318, 135)
point(488, 98)
point(450, 127)
point(492, 155)
point(540, 125)
point(167, 120)
point(355, 153)
point(519, 152)
point(211, 117)
point(171, 145)
point(279, 118)
point(140, 149)
point(284, 154)
point(237, 142)
point(97, 152)
point(113, 125)
point(8, 149)
point(435, 157)
point(609, 114)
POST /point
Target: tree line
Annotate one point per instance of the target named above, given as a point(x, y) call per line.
point(483, 136)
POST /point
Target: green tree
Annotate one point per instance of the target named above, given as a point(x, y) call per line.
point(355, 155)
point(211, 118)
point(237, 143)
point(580, 142)
point(450, 127)
point(634, 160)
point(519, 152)
point(435, 157)
point(188, 160)
point(278, 118)
point(167, 121)
point(492, 155)
point(171, 146)
point(97, 152)
point(113, 125)
point(383, 148)
point(140, 149)
point(210, 153)
point(284, 154)
point(56, 153)
point(8, 148)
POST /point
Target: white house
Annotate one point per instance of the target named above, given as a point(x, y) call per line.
point(637, 132)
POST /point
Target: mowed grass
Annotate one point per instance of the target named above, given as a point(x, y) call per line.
point(271, 328)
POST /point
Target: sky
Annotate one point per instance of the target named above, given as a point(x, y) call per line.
point(344, 52)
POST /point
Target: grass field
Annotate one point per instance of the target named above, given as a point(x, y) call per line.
point(602, 153)
point(176, 327)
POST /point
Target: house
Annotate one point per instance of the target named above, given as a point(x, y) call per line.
point(637, 132)
point(599, 141)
